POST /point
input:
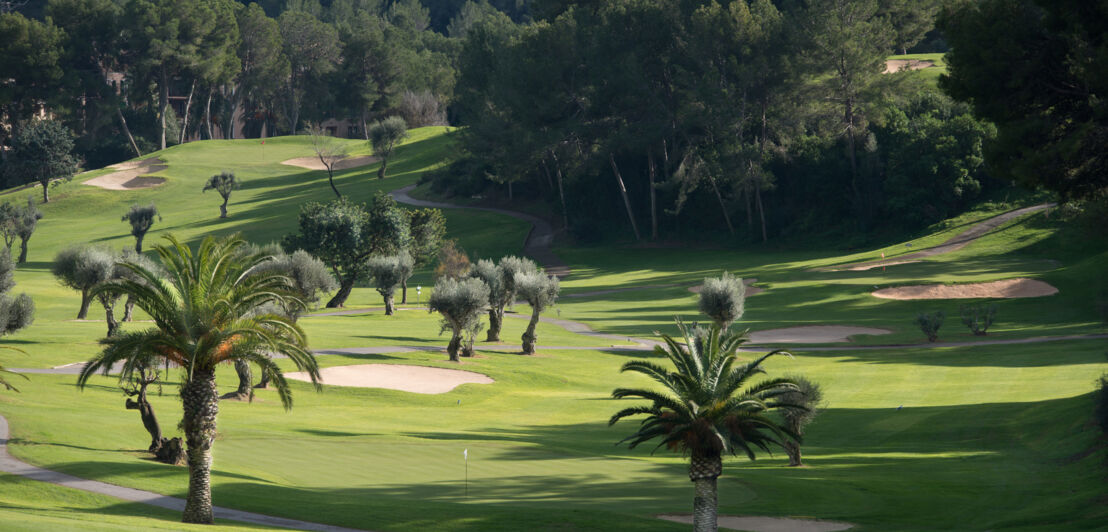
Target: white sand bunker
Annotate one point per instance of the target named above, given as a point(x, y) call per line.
point(896, 65)
point(750, 290)
point(1007, 289)
point(869, 266)
point(767, 524)
point(131, 175)
point(812, 334)
point(313, 163)
point(417, 379)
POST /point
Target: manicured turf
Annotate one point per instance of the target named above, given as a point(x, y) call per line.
point(988, 437)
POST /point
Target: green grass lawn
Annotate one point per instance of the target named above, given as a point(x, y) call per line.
point(988, 437)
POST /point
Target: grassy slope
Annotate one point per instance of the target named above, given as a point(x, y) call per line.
point(989, 437)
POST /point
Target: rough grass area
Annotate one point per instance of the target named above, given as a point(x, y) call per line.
point(980, 437)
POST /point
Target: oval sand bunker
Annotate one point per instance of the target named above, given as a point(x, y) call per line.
point(417, 379)
point(767, 524)
point(1006, 289)
point(812, 334)
point(313, 163)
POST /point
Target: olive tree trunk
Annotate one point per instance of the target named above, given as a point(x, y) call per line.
point(390, 305)
point(343, 293)
point(23, 250)
point(86, 300)
point(138, 242)
point(149, 420)
point(223, 208)
point(128, 309)
point(109, 316)
point(529, 337)
point(703, 471)
point(454, 345)
point(404, 292)
point(201, 405)
point(384, 165)
point(245, 390)
point(496, 319)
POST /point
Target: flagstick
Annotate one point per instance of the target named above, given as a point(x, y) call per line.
point(467, 476)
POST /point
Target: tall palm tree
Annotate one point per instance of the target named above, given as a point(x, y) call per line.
point(204, 312)
point(707, 408)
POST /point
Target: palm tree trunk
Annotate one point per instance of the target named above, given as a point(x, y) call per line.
point(496, 318)
point(201, 405)
point(793, 450)
point(529, 337)
point(703, 471)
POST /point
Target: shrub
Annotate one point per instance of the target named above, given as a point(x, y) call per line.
point(722, 299)
point(978, 318)
point(453, 262)
point(461, 304)
point(930, 323)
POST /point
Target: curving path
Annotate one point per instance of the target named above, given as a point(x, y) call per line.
point(10, 464)
point(538, 240)
point(955, 243)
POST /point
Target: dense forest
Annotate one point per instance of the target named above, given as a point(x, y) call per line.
point(647, 119)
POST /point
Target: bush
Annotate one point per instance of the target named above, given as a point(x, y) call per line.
point(722, 299)
point(421, 109)
point(930, 323)
point(461, 304)
point(978, 318)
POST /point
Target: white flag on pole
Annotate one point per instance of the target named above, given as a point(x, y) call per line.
point(465, 453)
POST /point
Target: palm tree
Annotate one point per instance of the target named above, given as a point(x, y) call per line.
point(707, 408)
point(204, 311)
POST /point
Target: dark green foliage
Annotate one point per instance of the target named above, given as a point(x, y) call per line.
point(1035, 69)
point(83, 268)
point(911, 20)
point(223, 183)
point(141, 218)
point(808, 395)
point(461, 303)
point(428, 229)
point(384, 135)
point(41, 152)
point(344, 235)
point(929, 324)
point(30, 52)
point(540, 291)
point(978, 318)
point(313, 50)
point(16, 312)
point(722, 299)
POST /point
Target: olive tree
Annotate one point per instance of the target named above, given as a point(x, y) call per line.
point(24, 224)
point(507, 270)
point(461, 303)
point(540, 291)
point(344, 235)
point(388, 273)
point(223, 183)
point(83, 268)
point(108, 299)
point(807, 397)
point(16, 312)
point(141, 219)
point(41, 151)
point(384, 135)
point(722, 299)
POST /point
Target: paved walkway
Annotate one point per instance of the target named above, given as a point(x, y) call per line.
point(10, 464)
point(955, 243)
point(538, 242)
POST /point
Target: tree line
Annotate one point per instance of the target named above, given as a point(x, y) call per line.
point(109, 68)
point(753, 118)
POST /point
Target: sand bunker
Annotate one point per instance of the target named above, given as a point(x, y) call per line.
point(1007, 289)
point(131, 175)
point(750, 290)
point(812, 334)
point(766, 524)
point(870, 266)
point(897, 65)
point(313, 163)
point(417, 379)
